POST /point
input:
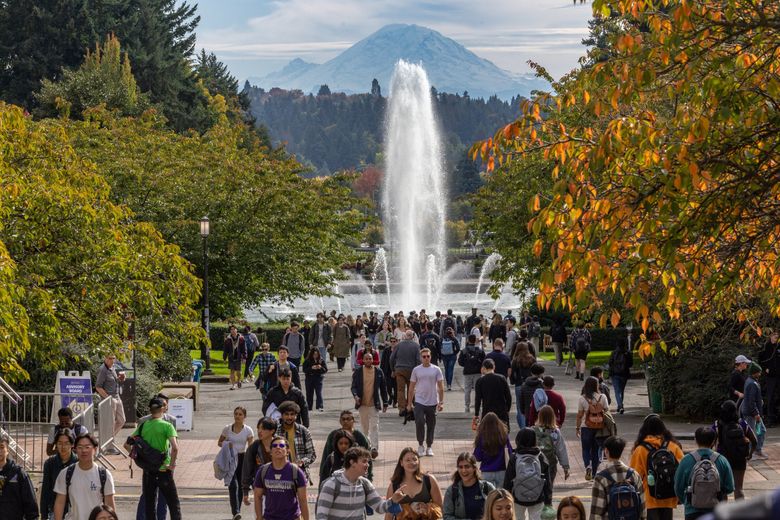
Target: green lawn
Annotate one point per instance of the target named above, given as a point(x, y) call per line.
point(595, 358)
point(219, 367)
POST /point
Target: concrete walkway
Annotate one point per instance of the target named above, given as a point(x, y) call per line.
point(194, 474)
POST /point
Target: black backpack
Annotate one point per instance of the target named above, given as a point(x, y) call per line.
point(69, 477)
point(662, 465)
point(733, 443)
point(620, 363)
point(143, 454)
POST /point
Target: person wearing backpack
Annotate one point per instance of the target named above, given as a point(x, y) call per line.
point(470, 358)
point(554, 400)
point(528, 477)
point(704, 477)
point(465, 498)
point(347, 492)
point(527, 391)
point(618, 493)
point(736, 442)
point(620, 362)
point(492, 448)
point(550, 440)
point(580, 345)
point(655, 456)
point(84, 485)
point(590, 420)
point(280, 486)
point(492, 394)
point(450, 346)
point(17, 495)
point(558, 335)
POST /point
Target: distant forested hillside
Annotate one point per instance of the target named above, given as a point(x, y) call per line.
point(338, 131)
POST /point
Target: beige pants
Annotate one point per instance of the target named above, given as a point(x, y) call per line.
point(369, 423)
point(119, 414)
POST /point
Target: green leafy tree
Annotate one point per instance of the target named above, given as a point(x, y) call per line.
point(104, 78)
point(274, 234)
point(79, 268)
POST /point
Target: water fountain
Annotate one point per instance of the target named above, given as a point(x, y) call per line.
point(413, 198)
point(487, 268)
point(380, 266)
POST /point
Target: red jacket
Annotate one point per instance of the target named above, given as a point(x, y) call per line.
point(555, 400)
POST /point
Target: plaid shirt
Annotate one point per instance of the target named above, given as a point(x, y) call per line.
point(264, 360)
point(304, 446)
point(600, 495)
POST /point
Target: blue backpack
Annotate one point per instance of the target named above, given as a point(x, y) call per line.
point(623, 501)
point(447, 347)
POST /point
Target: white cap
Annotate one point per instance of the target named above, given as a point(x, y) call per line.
point(742, 359)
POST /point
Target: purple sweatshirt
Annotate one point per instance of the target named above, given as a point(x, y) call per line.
point(494, 463)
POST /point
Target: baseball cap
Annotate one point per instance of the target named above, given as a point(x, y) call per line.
point(742, 359)
point(156, 403)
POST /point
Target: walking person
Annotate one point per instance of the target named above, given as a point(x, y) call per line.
point(620, 362)
point(295, 343)
point(252, 345)
point(61, 459)
point(559, 336)
point(553, 400)
point(314, 368)
point(342, 441)
point(522, 361)
point(264, 360)
point(281, 364)
point(770, 361)
point(280, 486)
point(107, 385)
point(348, 493)
point(492, 448)
point(300, 445)
point(499, 505)
point(346, 422)
point(619, 483)
point(497, 330)
point(238, 435)
point(527, 391)
point(162, 505)
point(736, 441)
point(320, 335)
point(492, 394)
point(17, 495)
point(501, 360)
point(285, 392)
point(737, 378)
point(234, 352)
point(703, 478)
point(465, 498)
point(571, 508)
point(422, 492)
point(342, 342)
point(160, 435)
point(550, 440)
point(84, 485)
point(426, 395)
point(432, 341)
point(450, 346)
point(750, 409)
point(590, 420)
point(370, 393)
point(655, 456)
point(404, 358)
point(257, 454)
point(64, 422)
point(385, 352)
point(470, 358)
point(528, 477)
point(580, 345)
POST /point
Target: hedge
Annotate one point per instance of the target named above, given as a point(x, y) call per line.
point(605, 339)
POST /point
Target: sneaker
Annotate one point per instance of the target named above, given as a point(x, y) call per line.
point(239, 384)
point(620, 411)
point(588, 474)
point(421, 451)
point(467, 410)
point(232, 387)
point(237, 516)
point(760, 455)
point(320, 409)
point(449, 388)
point(429, 452)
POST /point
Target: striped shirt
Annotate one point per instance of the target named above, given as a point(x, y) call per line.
point(351, 500)
point(599, 506)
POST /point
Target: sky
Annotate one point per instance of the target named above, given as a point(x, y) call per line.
point(256, 37)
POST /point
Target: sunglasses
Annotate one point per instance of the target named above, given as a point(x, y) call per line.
point(278, 445)
point(426, 356)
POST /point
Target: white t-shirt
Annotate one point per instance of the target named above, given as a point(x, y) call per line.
point(238, 439)
point(84, 491)
point(426, 384)
point(583, 403)
point(477, 332)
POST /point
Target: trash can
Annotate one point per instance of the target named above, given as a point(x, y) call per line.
point(197, 370)
point(656, 401)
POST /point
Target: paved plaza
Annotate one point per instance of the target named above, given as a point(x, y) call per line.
point(204, 497)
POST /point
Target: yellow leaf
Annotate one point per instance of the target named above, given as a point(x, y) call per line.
point(615, 319)
point(537, 203)
point(603, 321)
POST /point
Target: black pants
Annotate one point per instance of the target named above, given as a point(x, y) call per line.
point(661, 513)
point(772, 387)
point(341, 361)
point(314, 386)
point(162, 480)
point(250, 355)
point(425, 423)
point(234, 489)
point(392, 389)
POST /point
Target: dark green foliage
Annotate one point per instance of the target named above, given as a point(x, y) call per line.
point(323, 91)
point(338, 131)
point(466, 178)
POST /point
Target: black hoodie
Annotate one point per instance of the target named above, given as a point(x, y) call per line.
point(17, 499)
point(511, 471)
point(527, 392)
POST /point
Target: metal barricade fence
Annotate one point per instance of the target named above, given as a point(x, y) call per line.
point(26, 418)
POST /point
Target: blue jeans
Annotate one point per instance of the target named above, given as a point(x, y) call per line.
point(619, 384)
point(590, 448)
point(234, 489)
point(162, 507)
point(520, 415)
point(449, 367)
point(751, 421)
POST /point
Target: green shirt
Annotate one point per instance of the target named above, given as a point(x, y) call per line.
point(157, 433)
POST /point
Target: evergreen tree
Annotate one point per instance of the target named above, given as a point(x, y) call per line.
point(323, 91)
point(376, 90)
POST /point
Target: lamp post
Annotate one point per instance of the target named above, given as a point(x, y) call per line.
point(629, 327)
point(206, 351)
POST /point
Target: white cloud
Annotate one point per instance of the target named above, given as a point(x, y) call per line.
point(509, 32)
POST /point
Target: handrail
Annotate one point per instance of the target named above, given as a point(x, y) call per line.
point(9, 392)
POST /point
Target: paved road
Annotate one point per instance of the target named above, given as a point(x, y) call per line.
point(203, 498)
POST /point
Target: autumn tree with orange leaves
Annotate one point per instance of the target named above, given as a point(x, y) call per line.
point(666, 168)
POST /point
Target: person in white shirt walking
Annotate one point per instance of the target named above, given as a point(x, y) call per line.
point(84, 485)
point(426, 397)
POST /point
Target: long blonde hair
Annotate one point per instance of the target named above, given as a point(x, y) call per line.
point(495, 496)
point(546, 417)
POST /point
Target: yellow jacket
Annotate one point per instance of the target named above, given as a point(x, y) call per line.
point(639, 464)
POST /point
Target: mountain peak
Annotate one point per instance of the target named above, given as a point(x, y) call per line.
point(450, 66)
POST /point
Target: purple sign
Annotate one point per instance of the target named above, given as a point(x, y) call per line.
point(76, 393)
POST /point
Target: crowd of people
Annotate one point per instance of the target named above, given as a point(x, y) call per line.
point(394, 362)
